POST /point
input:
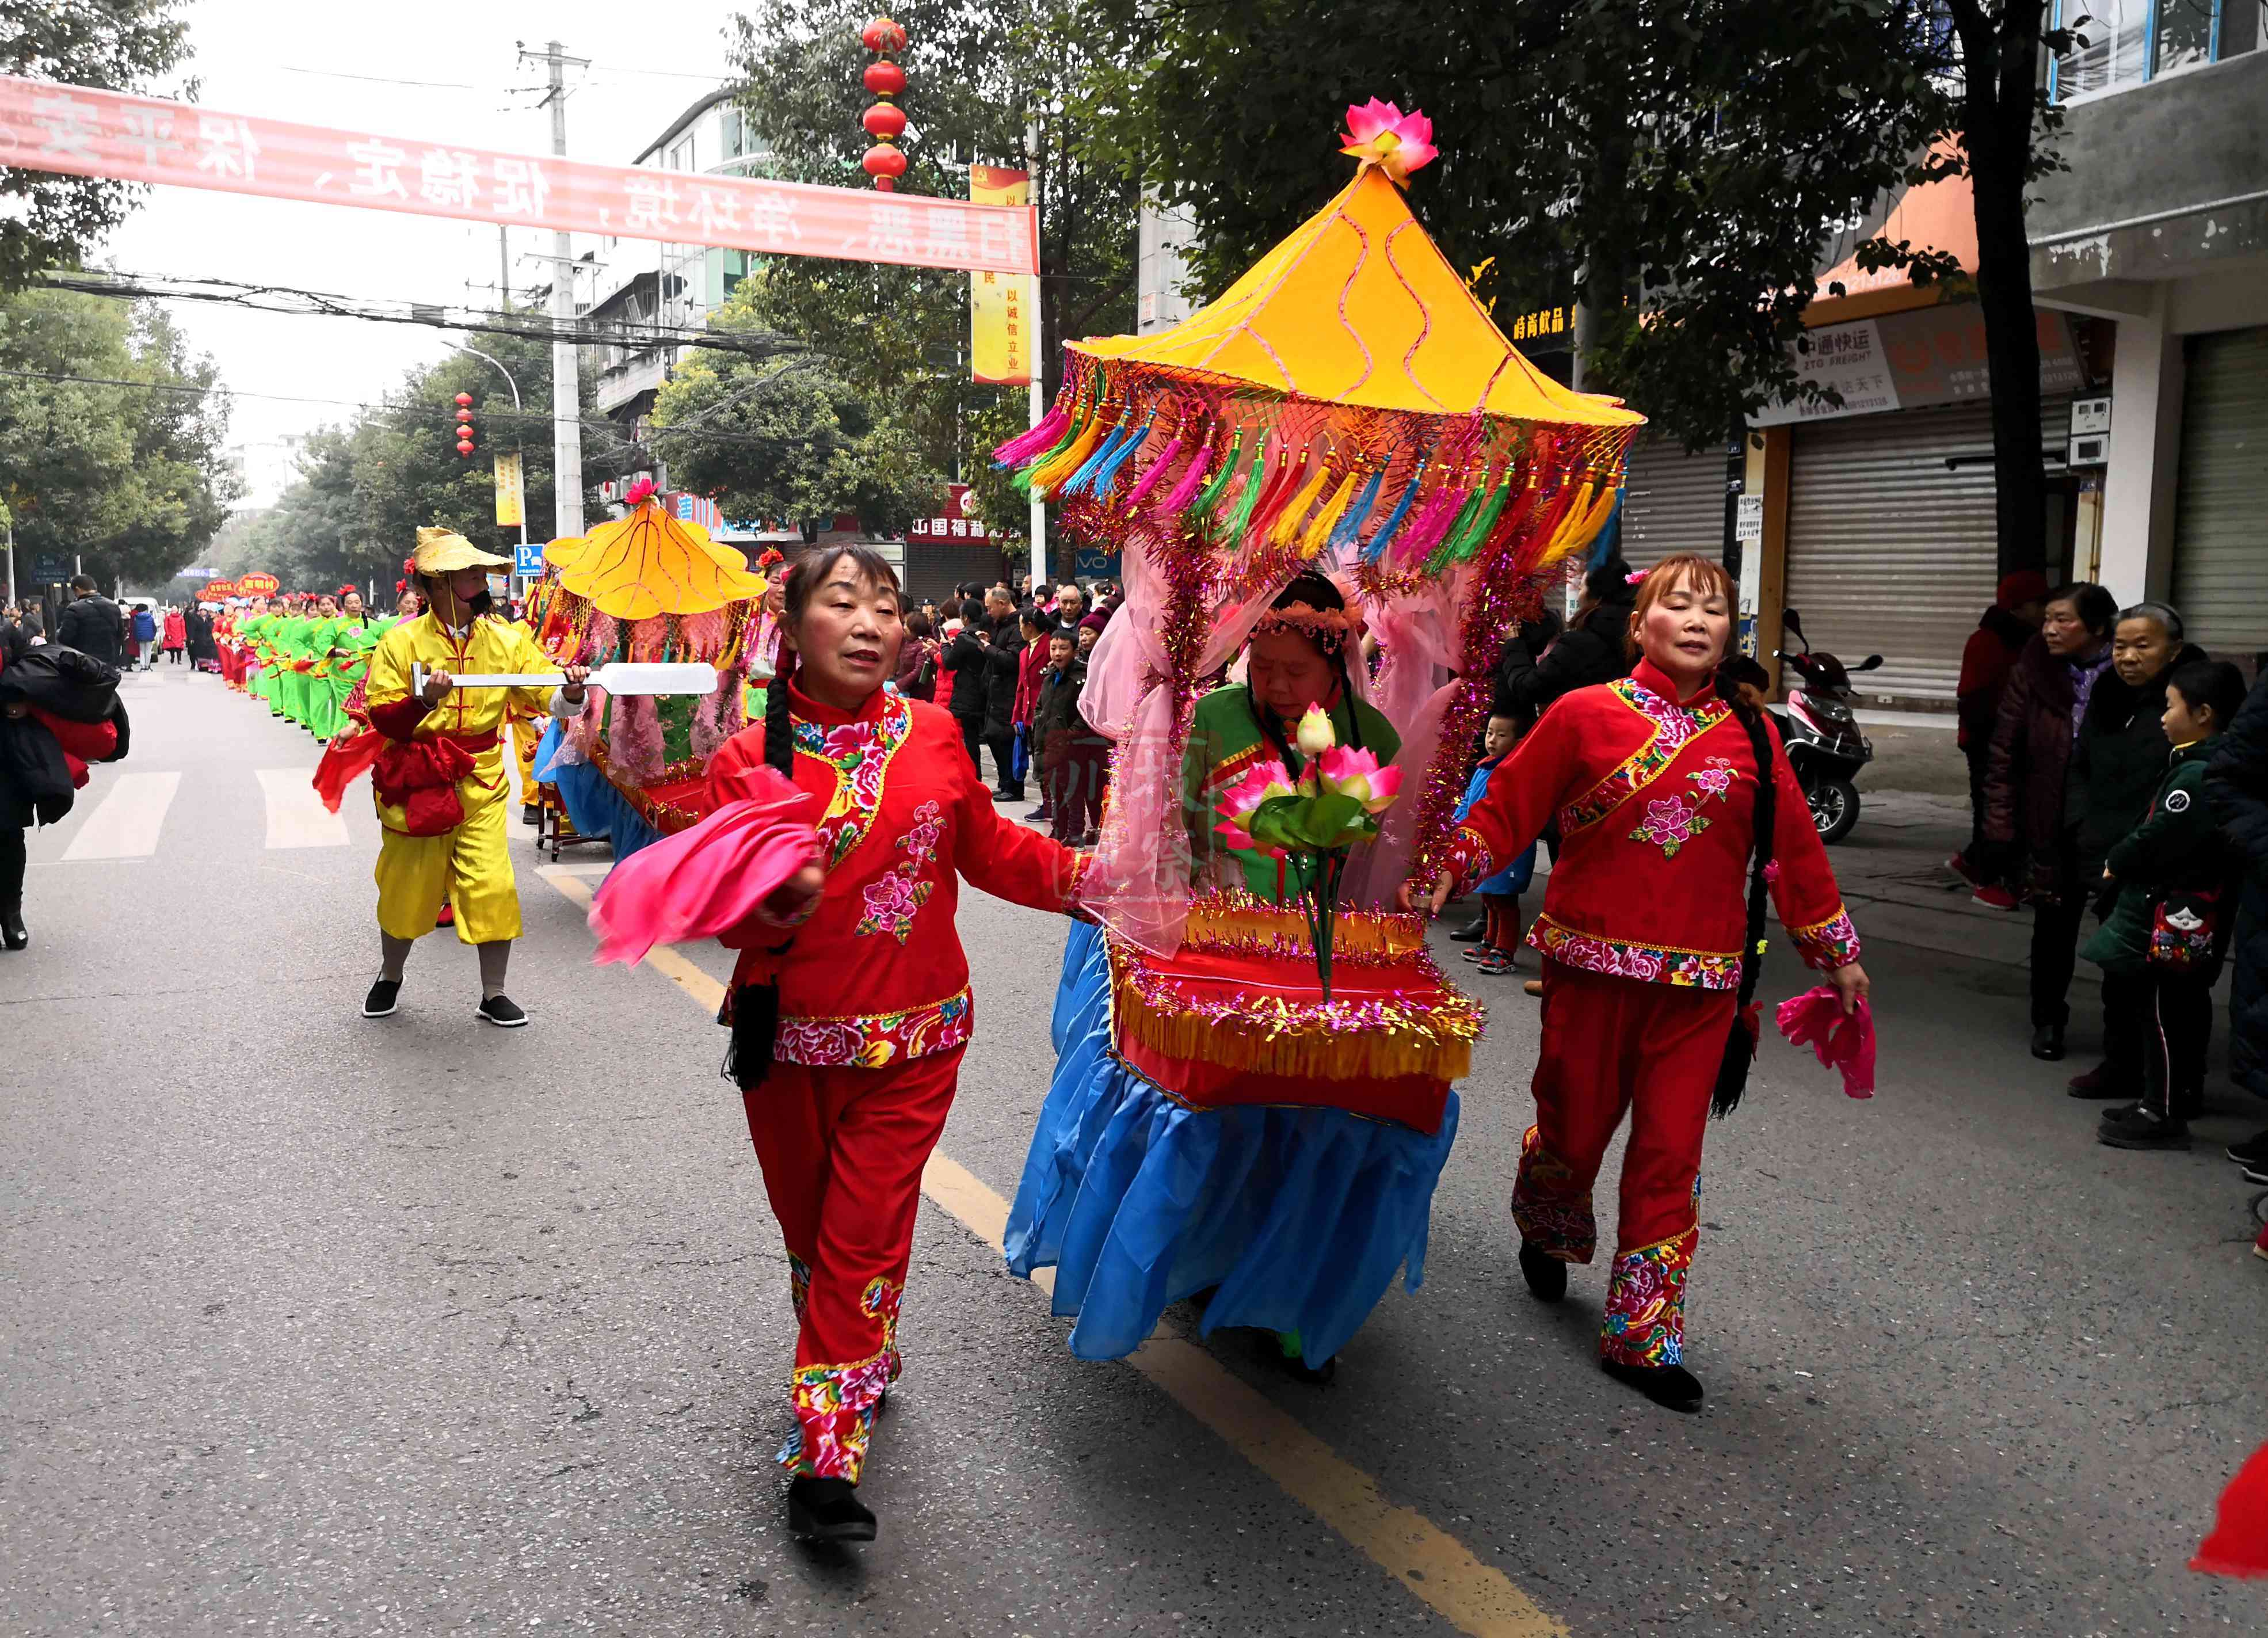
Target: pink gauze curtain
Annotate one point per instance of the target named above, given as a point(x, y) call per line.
point(1139, 885)
point(1420, 635)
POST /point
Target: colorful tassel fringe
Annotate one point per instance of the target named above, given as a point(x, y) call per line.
point(1381, 541)
point(1158, 469)
point(1318, 532)
point(1024, 445)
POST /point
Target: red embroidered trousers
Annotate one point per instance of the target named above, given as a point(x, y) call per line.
point(843, 1152)
point(1612, 1045)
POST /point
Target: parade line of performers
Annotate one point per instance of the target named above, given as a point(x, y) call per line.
point(303, 653)
point(839, 828)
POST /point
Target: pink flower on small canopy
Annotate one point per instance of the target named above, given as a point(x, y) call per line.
point(1378, 133)
point(1356, 773)
point(1242, 800)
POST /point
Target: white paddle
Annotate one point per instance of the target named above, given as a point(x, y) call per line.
point(619, 676)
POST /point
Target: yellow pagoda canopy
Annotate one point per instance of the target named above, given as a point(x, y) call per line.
point(648, 564)
point(1360, 307)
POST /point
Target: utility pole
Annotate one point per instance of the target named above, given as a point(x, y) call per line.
point(1038, 391)
point(566, 384)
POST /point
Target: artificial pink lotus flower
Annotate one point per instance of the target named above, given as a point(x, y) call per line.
point(1237, 805)
point(1378, 133)
point(1356, 773)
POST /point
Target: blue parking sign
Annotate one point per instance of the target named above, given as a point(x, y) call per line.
point(527, 559)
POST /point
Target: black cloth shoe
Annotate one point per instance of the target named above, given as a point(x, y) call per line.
point(499, 1011)
point(1546, 1275)
point(2252, 1152)
point(2047, 1043)
point(828, 1510)
point(2146, 1132)
point(1672, 1387)
point(1036, 815)
point(1472, 932)
point(2121, 1115)
point(384, 998)
point(2106, 1079)
point(530, 814)
point(13, 933)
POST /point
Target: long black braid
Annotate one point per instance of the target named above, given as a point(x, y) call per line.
point(1740, 1042)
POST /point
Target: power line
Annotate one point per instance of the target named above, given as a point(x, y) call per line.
point(292, 299)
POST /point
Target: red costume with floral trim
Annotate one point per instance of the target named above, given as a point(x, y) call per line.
point(874, 1014)
point(1642, 927)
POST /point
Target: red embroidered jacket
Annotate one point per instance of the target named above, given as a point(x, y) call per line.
point(1656, 803)
point(877, 973)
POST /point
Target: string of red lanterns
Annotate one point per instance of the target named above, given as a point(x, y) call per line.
point(885, 122)
point(464, 430)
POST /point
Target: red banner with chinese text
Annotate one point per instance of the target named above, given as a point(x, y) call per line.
point(81, 132)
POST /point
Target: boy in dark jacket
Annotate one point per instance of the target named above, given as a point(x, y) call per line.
point(2236, 790)
point(1066, 745)
point(2168, 920)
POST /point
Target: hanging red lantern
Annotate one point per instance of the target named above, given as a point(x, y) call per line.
point(464, 400)
point(884, 164)
point(883, 122)
point(464, 415)
point(464, 446)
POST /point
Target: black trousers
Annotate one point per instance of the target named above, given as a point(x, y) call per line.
point(1987, 860)
point(972, 741)
point(2176, 1013)
point(2055, 939)
point(2126, 1024)
point(11, 867)
point(1004, 758)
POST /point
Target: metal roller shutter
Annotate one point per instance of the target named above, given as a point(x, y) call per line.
point(1888, 551)
point(1672, 501)
point(2221, 513)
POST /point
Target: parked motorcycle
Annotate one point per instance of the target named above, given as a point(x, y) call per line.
point(1821, 736)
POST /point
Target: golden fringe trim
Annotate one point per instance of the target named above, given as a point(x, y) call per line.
point(1341, 1039)
point(1232, 921)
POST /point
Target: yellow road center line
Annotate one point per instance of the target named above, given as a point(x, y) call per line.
point(1476, 1598)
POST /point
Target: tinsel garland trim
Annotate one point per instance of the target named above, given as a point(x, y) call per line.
point(1230, 921)
point(1341, 1039)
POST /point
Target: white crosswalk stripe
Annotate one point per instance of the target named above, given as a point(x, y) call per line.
point(296, 815)
point(126, 823)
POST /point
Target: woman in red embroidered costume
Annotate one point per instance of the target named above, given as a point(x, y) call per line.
point(1651, 954)
point(850, 1001)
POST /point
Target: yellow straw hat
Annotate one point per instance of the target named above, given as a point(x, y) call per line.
point(445, 551)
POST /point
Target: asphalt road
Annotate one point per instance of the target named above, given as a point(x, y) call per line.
point(316, 1323)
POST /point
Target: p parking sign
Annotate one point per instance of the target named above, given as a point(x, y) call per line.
point(527, 559)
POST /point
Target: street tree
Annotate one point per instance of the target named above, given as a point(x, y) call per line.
point(48, 220)
point(111, 435)
point(777, 432)
point(981, 80)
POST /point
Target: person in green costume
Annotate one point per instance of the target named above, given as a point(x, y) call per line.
point(353, 634)
point(262, 683)
point(291, 654)
point(322, 642)
point(1297, 657)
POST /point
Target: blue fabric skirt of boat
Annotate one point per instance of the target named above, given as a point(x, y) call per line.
point(1300, 1217)
point(595, 805)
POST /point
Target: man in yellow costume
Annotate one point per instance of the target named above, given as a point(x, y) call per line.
point(439, 778)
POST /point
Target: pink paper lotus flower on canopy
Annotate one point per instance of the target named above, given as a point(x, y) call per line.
point(1237, 805)
point(1378, 133)
point(1356, 773)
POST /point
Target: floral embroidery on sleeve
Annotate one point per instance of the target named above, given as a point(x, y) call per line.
point(895, 897)
point(1831, 943)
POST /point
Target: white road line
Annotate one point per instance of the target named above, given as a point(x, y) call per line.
point(296, 815)
point(127, 823)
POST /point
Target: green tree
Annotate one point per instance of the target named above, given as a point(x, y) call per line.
point(114, 45)
point(1983, 101)
point(110, 435)
point(978, 77)
point(786, 436)
point(1676, 163)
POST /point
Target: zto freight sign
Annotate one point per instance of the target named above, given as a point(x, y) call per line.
point(81, 132)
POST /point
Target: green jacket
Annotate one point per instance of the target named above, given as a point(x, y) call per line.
point(2176, 862)
point(1226, 742)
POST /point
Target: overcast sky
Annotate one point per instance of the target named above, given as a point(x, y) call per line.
point(293, 61)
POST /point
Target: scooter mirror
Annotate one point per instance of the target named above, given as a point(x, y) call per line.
point(1791, 620)
point(1872, 662)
